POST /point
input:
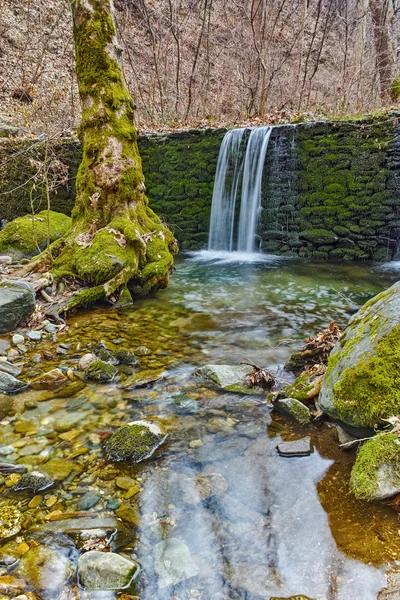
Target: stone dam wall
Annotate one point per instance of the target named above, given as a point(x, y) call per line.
point(331, 190)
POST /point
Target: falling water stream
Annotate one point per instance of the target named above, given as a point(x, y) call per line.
point(239, 175)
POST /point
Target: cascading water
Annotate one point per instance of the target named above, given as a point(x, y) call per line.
point(227, 178)
point(235, 166)
point(250, 206)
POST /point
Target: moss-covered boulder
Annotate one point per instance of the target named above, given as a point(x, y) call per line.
point(100, 371)
point(28, 235)
point(376, 472)
point(362, 383)
point(134, 442)
point(305, 387)
point(293, 408)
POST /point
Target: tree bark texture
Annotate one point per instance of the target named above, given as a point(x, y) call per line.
point(384, 60)
point(116, 239)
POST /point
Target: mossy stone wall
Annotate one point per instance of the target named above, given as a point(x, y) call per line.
point(330, 190)
point(179, 171)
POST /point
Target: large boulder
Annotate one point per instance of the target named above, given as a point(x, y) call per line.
point(29, 235)
point(376, 472)
point(17, 302)
point(361, 386)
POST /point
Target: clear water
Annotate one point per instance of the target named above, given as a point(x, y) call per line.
point(256, 525)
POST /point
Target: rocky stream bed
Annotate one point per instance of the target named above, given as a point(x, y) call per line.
point(211, 511)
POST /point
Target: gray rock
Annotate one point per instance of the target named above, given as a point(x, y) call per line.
point(300, 447)
point(344, 437)
point(50, 328)
point(17, 303)
point(293, 408)
point(89, 500)
point(86, 360)
point(225, 377)
point(35, 336)
point(9, 368)
point(17, 338)
point(11, 385)
point(33, 482)
point(6, 260)
point(360, 387)
point(173, 562)
point(105, 571)
point(4, 346)
point(67, 420)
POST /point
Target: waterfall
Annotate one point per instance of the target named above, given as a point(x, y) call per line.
point(227, 178)
point(235, 166)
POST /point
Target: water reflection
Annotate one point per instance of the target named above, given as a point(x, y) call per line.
point(264, 535)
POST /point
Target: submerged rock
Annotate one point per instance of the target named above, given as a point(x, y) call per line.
point(125, 357)
point(100, 371)
point(376, 472)
point(10, 521)
point(134, 442)
point(89, 500)
point(45, 569)
point(200, 488)
point(33, 482)
point(17, 303)
point(173, 562)
point(51, 380)
point(296, 448)
point(293, 408)
point(10, 385)
point(361, 384)
point(254, 579)
point(9, 368)
point(86, 360)
point(105, 571)
point(225, 377)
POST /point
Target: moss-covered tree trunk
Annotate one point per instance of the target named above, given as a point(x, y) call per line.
point(116, 240)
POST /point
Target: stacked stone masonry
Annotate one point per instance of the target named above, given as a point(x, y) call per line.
point(331, 190)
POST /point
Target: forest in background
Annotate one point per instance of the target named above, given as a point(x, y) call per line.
point(208, 62)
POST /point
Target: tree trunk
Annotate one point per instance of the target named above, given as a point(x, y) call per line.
point(116, 239)
point(384, 62)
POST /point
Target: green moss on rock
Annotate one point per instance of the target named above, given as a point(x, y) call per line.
point(30, 234)
point(100, 371)
point(371, 388)
point(319, 236)
point(367, 476)
point(133, 442)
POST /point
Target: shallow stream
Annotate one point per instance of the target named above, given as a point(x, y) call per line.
point(246, 523)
